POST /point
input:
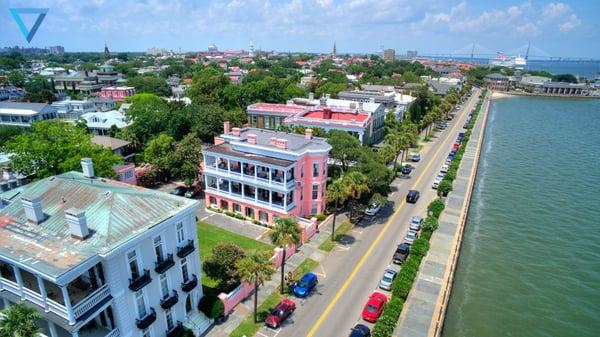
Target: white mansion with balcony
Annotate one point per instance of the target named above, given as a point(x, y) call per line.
point(100, 258)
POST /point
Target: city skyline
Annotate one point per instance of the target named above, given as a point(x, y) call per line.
point(357, 26)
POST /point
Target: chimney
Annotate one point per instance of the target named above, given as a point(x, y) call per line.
point(289, 102)
point(308, 134)
point(87, 167)
point(235, 132)
point(372, 99)
point(251, 138)
point(282, 143)
point(323, 101)
point(360, 105)
point(273, 141)
point(311, 95)
point(33, 209)
point(328, 96)
point(226, 127)
point(353, 105)
point(77, 223)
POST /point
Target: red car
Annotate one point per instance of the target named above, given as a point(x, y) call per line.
point(374, 307)
point(282, 311)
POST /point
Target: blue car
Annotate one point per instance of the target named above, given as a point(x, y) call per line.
point(416, 157)
point(307, 283)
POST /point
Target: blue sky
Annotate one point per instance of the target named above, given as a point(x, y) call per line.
point(430, 26)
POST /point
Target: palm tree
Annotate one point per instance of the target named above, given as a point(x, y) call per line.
point(286, 232)
point(337, 193)
point(394, 139)
point(19, 321)
point(357, 184)
point(256, 268)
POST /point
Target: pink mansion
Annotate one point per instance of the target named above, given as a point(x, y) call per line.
point(265, 174)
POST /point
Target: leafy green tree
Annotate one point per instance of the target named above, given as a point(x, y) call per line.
point(8, 132)
point(150, 84)
point(293, 91)
point(13, 60)
point(207, 86)
point(330, 88)
point(356, 184)
point(87, 66)
point(256, 268)
point(54, 147)
point(221, 265)
point(19, 321)
point(564, 78)
point(208, 121)
point(40, 90)
point(286, 232)
point(337, 193)
point(159, 152)
point(149, 115)
point(344, 148)
point(186, 159)
point(16, 78)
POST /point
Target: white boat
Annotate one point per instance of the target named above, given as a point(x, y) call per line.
point(501, 60)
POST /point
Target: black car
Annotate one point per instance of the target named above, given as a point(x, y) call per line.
point(406, 169)
point(179, 190)
point(401, 253)
point(412, 196)
point(360, 330)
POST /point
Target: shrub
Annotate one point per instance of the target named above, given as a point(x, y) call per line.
point(211, 306)
point(221, 265)
point(445, 187)
point(427, 234)
point(451, 174)
point(436, 207)
point(387, 321)
point(420, 247)
point(320, 217)
point(430, 224)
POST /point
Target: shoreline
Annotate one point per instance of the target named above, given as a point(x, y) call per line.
point(437, 325)
point(508, 94)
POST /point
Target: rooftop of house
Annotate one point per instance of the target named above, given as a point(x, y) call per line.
point(105, 120)
point(296, 143)
point(19, 108)
point(367, 94)
point(113, 143)
point(115, 213)
point(227, 149)
point(281, 109)
point(496, 76)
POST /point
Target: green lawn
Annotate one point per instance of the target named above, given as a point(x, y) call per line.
point(340, 230)
point(210, 236)
point(248, 328)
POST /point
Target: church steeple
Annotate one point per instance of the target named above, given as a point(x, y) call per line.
point(106, 52)
point(333, 53)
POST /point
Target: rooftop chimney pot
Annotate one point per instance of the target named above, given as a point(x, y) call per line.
point(33, 209)
point(251, 138)
point(77, 223)
point(226, 127)
point(87, 167)
point(308, 133)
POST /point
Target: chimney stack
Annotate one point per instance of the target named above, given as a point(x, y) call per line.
point(273, 141)
point(251, 138)
point(77, 223)
point(281, 143)
point(311, 95)
point(308, 134)
point(235, 132)
point(33, 209)
point(87, 167)
point(372, 99)
point(360, 105)
point(226, 127)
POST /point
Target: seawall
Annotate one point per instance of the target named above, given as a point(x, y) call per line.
point(425, 308)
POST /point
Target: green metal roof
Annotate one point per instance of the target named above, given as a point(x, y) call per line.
point(115, 213)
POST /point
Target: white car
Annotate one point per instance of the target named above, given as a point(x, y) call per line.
point(410, 237)
point(387, 279)
point(444, 168)
point(415, 223)
point(373, 209)
point(438, 179)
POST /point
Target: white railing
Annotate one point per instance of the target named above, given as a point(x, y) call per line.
point(33, 297)
point(90, 301)
point(57, 308)
point(10, 286)
point(114, 333)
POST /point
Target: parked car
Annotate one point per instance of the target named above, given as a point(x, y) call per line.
point(373, 209)
point(449, 159)
point(401, 253)
point(415, 223)
point(438, 179)
point(360, 330)
point(374, 307)
point(387, 279)
point(412, 196)
point(456, 146)
point(178, 190)
point(281, 312)
point(410, 237)
point(416, 157)
point(444, 168)
point(406, 169)
point(307, 283)
point(465, 126)
point(453, 152)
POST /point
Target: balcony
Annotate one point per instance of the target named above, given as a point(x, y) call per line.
point(190, 284)
point(185, 250)
point(164, 265)
point(170, 301)
point(177, 331)
point(147, 320)
point(141, 281)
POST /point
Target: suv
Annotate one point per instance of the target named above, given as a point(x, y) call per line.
point(401, 253)
point(412, 196)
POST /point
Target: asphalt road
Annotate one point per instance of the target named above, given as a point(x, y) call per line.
point(351, 272)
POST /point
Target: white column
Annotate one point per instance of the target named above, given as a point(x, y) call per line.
point(285, 201)
point(269, 175)
point(243, 192)
point(270, 197)
point(255, 172)
point(43, 292)
point(75, 334)
point(68, 305)
point(228, 166)
point(229, 185)
point(19, 280)
point(285, 172)
point(52, 329)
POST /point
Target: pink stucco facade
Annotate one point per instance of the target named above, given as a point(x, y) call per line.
point(264, 174)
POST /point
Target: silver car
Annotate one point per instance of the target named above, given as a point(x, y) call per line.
point(387, 279)
point(415, 223)
point(410, 237)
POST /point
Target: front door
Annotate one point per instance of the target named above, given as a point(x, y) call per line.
point(188, 304)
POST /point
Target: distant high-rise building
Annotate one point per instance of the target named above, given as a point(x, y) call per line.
point(56, 50)
point(251, 49)
point(389, 54)
point(157, 51)
point(106, 51)
point(213, 48)
point(411, 54)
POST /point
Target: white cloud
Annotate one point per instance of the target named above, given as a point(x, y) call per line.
point(555, 10)
point(571, 23)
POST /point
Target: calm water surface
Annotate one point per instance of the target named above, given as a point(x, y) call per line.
point(530, 261)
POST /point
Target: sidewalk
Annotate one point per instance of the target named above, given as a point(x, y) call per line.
point(246, 307)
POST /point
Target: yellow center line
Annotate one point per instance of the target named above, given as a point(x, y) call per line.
point(360, 263)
